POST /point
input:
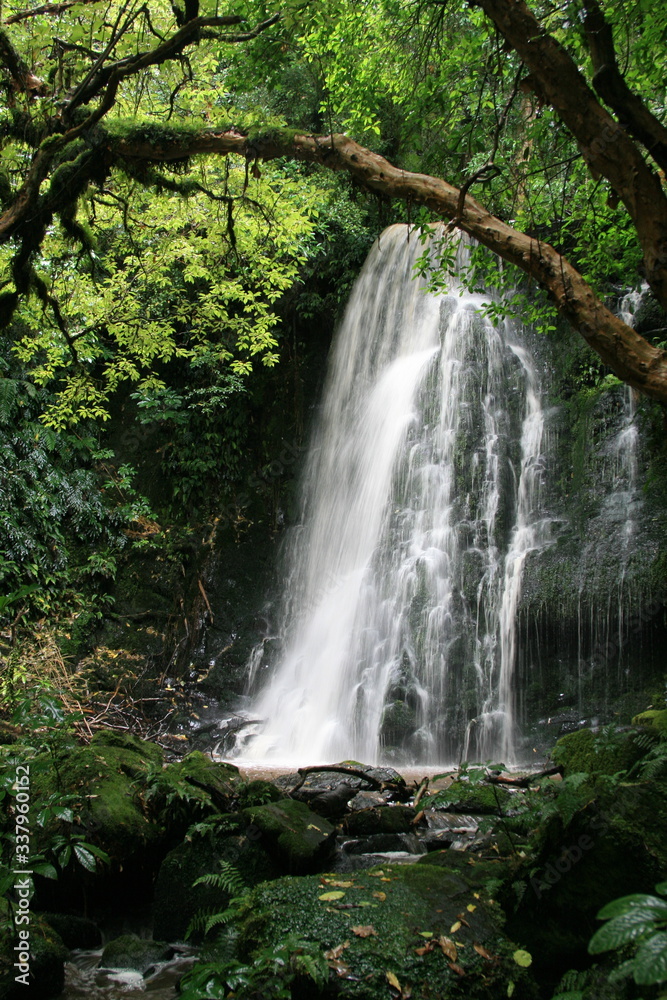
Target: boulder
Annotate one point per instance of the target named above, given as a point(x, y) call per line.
point(74, 931)
point(46, 977)
point(177, 900)
point(297, 839)
point(597, 753)
point(478, 799)
point(426, 928)
point(192, 789)
point(134, 953)
point(384, 819)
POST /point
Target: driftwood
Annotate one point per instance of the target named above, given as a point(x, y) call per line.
point(524, 782)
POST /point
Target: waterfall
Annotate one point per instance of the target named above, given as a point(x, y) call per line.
point(420, 506)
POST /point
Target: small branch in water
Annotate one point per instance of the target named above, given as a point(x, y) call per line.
point(525, 782)
point(421, 792)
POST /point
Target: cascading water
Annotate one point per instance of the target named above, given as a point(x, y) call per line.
point(421, 505)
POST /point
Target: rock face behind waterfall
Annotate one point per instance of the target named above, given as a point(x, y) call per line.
point(474, 553)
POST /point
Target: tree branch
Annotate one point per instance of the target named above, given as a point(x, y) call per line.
point(604, 144)
point(626, 352)
point(46, 8)
point(614, 91)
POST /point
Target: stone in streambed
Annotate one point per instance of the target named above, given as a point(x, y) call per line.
point(134, 953)
point(384, 819)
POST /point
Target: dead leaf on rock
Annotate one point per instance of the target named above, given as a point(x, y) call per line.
point(448, 948)
point(456, 968)
point(336, 952)
point(423, 951)
point(341, 969)
point(483, 952)
point(328, 896)
point(462, 918)
point(381, 896)
point(342, 885)
point(455, 927)
point(366, 931)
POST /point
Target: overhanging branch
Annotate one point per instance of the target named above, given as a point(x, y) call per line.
point(625, 351)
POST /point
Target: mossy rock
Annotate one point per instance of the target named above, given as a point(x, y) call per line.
point(194, 788)
point(380, 922)
point(46, 975)
point(383, 819)
point(299, 840)
point(595, 753)
point(177, 900)
point(472, 800)
point(135, 953)
point(653, 719)
point(106, 776)
point(613, 844)
point(149, 754)
point(74, 931)
point(258, 793)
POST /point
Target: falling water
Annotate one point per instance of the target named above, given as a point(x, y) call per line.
point(420, 507)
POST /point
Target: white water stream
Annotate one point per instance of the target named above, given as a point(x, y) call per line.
point(420, 507)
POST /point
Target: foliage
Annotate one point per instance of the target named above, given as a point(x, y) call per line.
point(639, 921)
point(270, 975)
point(230, 881)
point(63, 503)
point(46, 727)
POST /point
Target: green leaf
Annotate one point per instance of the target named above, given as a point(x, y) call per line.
point(651, 961)
point(84, 857)
point(523, 958)
point(327, 896)
point(628, 903)
point(45, 870)
point(621, 930)
point(661, 888)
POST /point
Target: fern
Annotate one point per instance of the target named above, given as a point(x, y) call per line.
point(228, 878)
point(230, 881)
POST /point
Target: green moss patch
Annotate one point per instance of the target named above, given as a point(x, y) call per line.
point(387, 922)
point(596, 753)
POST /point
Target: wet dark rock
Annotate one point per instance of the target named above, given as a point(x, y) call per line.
point(74, 931)
point(367, 800)
point(46, 976)
point(135, 953)
point(177, 900)
point(384, 819)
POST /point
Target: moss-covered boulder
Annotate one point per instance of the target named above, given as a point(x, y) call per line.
point(423, 927)
point(74, 931)
point(42, 977)
point(597, 753)
point(296, 838)
point(135, 953)
point(106, 777)
point(258, 793)
point(654, 719)
point(384, 819)
point(478, 799)
point(192, 789)
point(607, 839)
point(177, 900)
point(104, 784)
